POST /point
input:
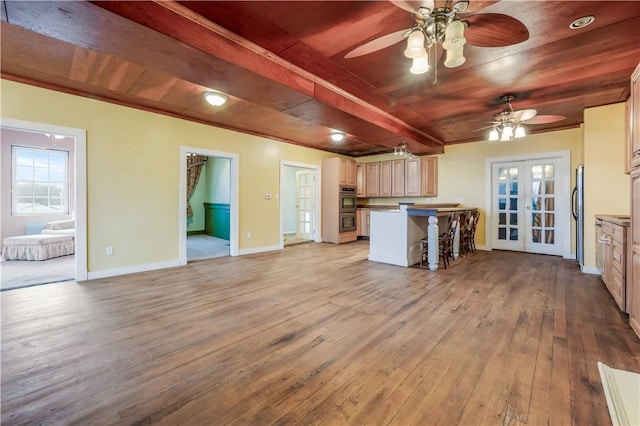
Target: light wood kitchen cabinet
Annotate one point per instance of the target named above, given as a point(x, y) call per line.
point(614, 262)
point(634, 120)
point(385, 179)
point(421, 177)
point(429, 176)
point(373, 179)
point(413, 177)
point(634, 243)
point(363, 226)
point(347, 172)
point(397, 178)
point(361, 181)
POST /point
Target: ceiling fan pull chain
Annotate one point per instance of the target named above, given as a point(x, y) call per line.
point(435, 63)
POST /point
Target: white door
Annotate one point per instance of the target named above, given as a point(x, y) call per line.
point(528, 206)
point(305, 222)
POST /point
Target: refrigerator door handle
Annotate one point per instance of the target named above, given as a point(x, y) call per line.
point(574, 203)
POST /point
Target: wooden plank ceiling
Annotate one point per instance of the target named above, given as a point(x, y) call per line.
point(283, 65)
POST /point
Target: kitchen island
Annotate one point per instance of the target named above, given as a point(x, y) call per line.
point(395, 234)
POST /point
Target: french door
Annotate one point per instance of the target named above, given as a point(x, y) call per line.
point(528, 205)
point(304, 204)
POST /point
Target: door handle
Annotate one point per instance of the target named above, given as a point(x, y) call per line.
point(528, 207)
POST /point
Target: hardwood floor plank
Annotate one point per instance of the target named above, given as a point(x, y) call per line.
point(316, 334)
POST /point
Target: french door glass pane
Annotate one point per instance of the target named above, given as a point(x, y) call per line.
point(508, 192)
point(542, 204)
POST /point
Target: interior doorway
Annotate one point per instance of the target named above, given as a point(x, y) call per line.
point(20, 273)
point(208, 196)
point(530, 204)
point(215, 209)
point(299, 203)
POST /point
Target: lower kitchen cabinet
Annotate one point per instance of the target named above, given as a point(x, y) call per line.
point(362, 218)
point(614, 260)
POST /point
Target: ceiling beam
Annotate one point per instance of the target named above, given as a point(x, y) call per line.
point(186, 26)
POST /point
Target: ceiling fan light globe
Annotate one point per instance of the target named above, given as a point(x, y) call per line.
point(455, 58)
point(494, 135)
point(415, 45)
point(504, 137)
point(454, 35)
point(520, 132)
point(507, 131)
point(420, 64)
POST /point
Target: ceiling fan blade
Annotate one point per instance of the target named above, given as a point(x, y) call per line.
point(524, 115)
point(413, 5)
point(377, 44)
point(476, 5)
point(494, 30)
point(545, 119)
point(484, 128)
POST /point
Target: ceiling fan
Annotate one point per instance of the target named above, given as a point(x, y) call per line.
point(508, 123)
point(449, 26)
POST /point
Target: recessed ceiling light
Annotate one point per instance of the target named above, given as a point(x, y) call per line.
point(582, 22)
point(336, 136)
point(216, 98)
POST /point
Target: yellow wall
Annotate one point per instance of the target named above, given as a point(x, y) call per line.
point(133, 173)
point(607, 187)
point(461, 169)
point(598, 144)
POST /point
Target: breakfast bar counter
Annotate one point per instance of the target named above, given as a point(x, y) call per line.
point(395, 235)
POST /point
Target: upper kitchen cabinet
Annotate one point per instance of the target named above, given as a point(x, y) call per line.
point(347, 172)
point(397, 178)
point(361, 181)
point(373, 179)
point(421, 177)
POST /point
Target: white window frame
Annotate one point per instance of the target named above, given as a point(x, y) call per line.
point(15, 149)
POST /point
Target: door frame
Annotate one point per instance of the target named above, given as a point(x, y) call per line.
point(233, 201)
point(80, 183)
point(316, 188)
point(564, 193)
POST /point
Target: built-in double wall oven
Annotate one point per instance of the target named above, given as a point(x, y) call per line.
point(347, 208)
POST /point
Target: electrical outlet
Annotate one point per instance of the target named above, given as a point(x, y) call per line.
point(249, 235)
point(109, 251)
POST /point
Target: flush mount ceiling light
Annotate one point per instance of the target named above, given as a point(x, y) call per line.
point(336, 136)
point(215, 98)
point(582, 22)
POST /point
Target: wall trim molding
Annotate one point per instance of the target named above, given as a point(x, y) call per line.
point(134, 269)
point(259, 250)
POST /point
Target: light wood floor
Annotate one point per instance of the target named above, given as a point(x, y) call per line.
point(316, 334)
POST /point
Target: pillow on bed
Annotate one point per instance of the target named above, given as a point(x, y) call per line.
point(61, 224)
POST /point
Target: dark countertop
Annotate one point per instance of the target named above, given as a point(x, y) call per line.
point(397, 206)
point(622, 220)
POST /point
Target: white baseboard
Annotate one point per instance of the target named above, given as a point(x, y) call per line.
point(389, 260)
point(590, 270)
point(259, 250)
point(93, 275)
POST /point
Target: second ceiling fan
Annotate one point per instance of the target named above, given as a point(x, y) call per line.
point(450, 26)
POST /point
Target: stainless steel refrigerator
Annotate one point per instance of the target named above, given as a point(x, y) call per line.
point(577, 209)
